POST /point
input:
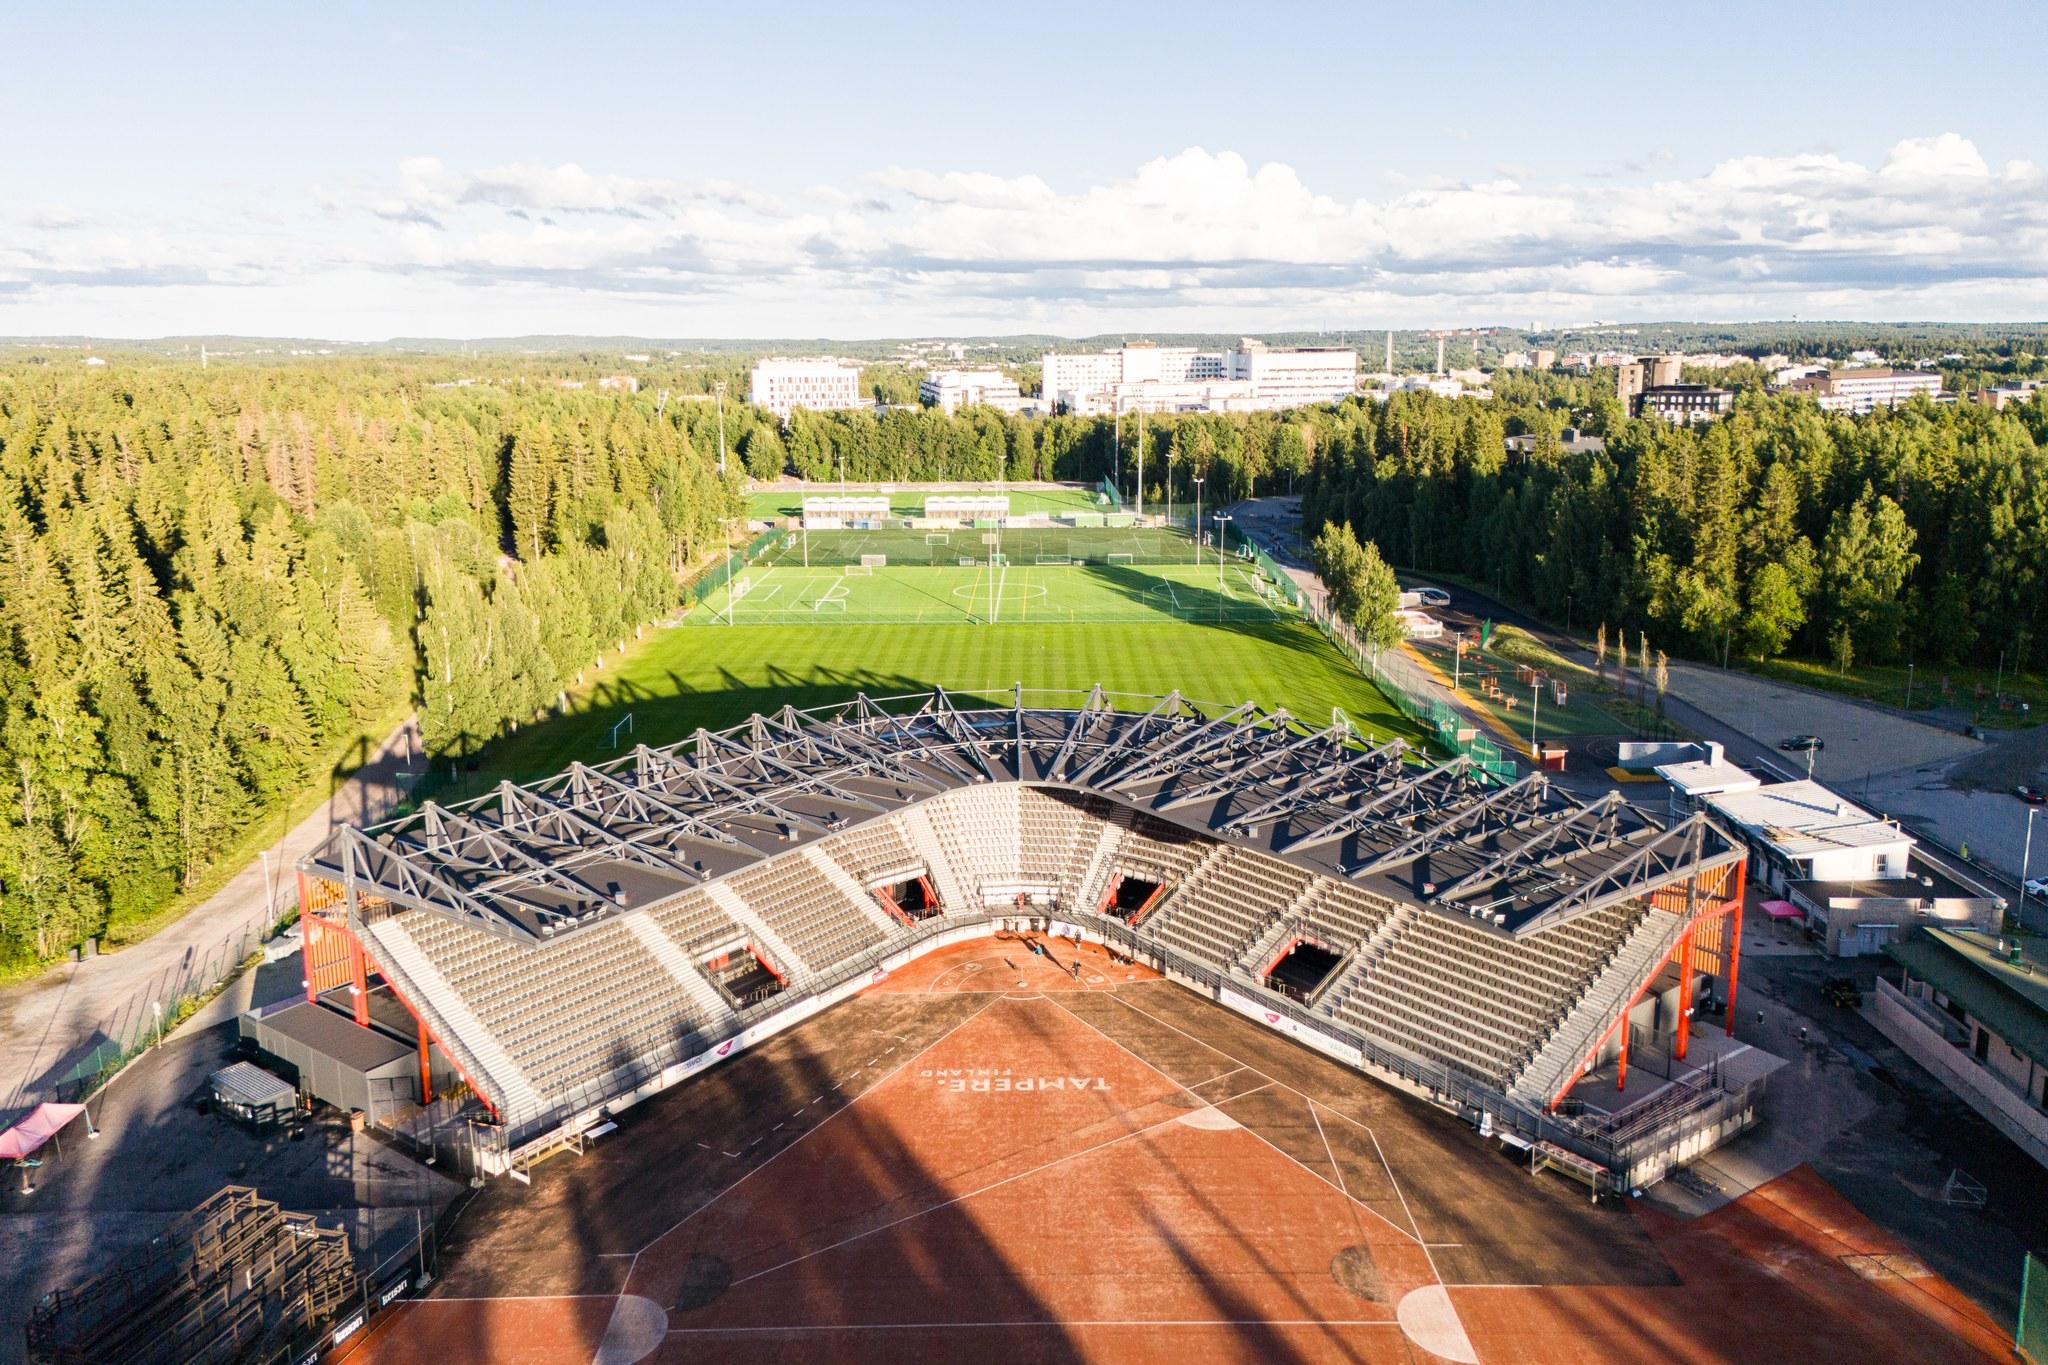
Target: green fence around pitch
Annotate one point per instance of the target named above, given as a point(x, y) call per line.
point(723, 572)
point(1109, 495)
point(2030, 1338)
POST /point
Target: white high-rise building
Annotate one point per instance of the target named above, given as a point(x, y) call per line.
point(1866, 390)
point(1249, 377)
point(820, 383)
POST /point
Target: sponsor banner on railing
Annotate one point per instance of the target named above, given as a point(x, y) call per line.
point(1264, 1013)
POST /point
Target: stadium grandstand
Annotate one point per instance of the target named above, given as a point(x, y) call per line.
point(577, 944)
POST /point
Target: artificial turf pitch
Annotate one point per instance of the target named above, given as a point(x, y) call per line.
point(789, 593)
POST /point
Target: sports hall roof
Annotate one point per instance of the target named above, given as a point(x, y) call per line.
point(536, 861)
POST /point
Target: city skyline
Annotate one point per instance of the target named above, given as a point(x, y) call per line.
point(501, 173)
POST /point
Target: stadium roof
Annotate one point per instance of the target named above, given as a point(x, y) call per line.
point(537, 861)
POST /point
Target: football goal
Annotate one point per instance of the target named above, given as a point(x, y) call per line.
point(860, 570)
point(1056, 559)
point(1120, 557)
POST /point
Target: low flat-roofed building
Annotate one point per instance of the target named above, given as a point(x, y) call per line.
point(830, 512)
point(1867, 914)
point(1973, 1009)
point(343, 1063)
point(1694, 781)
point(1801, 831)
point(951, 390)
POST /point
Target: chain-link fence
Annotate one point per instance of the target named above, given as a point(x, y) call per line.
point(964, 546)
point(2030, 1338)
point(150, 1013)
point(721, 573)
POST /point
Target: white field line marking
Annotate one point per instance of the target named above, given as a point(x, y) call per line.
point(1410, 1232)
point(1054, 1323)
point(820, 1124)
point(1335, 1169)
point(1039, 1169)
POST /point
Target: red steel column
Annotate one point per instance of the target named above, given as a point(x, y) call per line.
point(361, 980)
point(1621, 1067)
point(1684, 993)
point(1731, 940)
point(426, 1068)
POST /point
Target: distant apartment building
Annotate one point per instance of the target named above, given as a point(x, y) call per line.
point(951, 390)
point(2005, 395)
point(1632, 377)
point(1246, 378)
point(1682, 404)
point(1866, 389)
point(782, 385)
point(619, 383)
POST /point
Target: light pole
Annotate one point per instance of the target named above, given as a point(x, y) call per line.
point(2026, 862)
point(1909, 687)
point(1809, 760)
point(1198, 523)
point(1221, 519)
point(269, 888)
point(718, 392)
point(1535, 704)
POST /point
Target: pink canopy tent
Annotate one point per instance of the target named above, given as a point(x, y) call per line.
point(1783, 910)
point(41, 1124)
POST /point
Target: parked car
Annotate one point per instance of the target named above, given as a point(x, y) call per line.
point(2033, 796)
point(2038, 887)
point(1433, 597)
point(1800, 744)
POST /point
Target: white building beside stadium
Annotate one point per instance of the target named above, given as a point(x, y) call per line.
point(783, 384)
point(1246, 378)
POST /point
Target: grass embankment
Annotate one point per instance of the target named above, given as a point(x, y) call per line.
point(1631, 716)
point(1887, 684)
point(678, 680)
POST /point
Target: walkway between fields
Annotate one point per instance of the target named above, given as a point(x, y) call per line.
point(48, 1023)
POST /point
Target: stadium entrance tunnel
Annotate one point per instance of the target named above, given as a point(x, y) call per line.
point(1132, 898)
point(745, 976)
point(909, 901)
point(1301, 970)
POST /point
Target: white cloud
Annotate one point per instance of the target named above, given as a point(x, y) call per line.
point(1196, 239)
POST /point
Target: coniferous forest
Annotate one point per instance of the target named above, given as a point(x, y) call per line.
point(213, 579)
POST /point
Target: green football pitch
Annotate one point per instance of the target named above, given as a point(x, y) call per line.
point(787, 594)
point(678, 679)
point(909, 501)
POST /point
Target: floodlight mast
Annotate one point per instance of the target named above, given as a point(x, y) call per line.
point(718, 392)
point(1198, 524)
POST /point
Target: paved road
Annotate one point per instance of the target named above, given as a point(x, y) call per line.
point(47, 1024)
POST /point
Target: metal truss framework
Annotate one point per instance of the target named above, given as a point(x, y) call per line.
point(532, 862)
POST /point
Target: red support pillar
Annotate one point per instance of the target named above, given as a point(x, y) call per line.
point(309, 949)
point(1731, 940)
point(426, 1068)
point(1621, 1067)
point(359, 982)
point(1685, 972)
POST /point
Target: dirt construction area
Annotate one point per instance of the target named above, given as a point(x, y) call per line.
point(994, 1156)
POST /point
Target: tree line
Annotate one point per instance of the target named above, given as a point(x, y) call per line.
point(211, 579)
point(1916, 533)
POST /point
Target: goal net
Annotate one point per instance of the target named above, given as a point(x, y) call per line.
point(1119, 557)
point(1055, 559)
point(861, 570)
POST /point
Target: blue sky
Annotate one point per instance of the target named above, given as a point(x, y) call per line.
point(365, 171)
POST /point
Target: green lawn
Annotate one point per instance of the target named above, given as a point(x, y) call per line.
point(907, 500)
point(680, 679)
